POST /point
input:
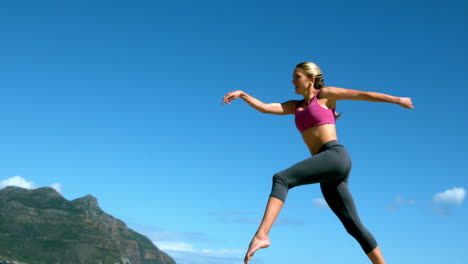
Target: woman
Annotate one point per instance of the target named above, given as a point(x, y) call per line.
point(330, 163)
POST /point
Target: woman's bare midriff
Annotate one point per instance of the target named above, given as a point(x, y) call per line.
point(315, 137)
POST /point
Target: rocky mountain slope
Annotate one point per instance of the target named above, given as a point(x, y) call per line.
point(40, 226)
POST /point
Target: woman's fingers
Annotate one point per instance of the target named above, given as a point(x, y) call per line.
point(409, 103)
point(230, 96)
point(225, 99)
point(406, 102)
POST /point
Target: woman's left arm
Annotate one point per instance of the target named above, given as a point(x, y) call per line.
point(336, 94)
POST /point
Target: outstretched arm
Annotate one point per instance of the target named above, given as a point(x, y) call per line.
point(286, 108)
point(336, 94)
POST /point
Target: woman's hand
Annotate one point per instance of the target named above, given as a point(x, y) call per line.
point(406, 102)
point(231, 96)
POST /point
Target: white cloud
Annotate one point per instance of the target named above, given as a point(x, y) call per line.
point(18, 182)
point(452, 196)
point(185, 253)
point(57, 186)
point(184, 257)
point(182, 246)
point(319, 202)
point(187, 247)
point(174, 246)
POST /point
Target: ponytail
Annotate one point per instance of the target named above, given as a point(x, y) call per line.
point(319, 83)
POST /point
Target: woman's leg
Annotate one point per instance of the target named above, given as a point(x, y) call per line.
point(341, 202)
point(376, 256)
point(260, 240)
point(326, 166)
point(323, 166)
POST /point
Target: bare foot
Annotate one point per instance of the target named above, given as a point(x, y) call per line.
point(257, 243)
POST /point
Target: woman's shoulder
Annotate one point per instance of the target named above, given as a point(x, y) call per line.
point(326, 97)
point(330, 92)
point(324, 91)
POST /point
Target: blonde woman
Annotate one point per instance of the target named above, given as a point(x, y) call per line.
point(330, 163)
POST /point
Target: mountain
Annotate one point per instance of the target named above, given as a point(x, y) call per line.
point(40, 226)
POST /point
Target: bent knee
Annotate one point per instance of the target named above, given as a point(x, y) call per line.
point(278, 179)
point(280, 187)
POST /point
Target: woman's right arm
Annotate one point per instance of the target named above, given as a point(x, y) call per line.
point(286, 108)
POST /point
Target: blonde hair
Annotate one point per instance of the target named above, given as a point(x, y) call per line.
point(312, 71)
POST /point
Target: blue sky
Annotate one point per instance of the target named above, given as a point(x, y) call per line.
point(122, 100)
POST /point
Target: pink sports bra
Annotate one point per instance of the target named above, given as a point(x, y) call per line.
point(313, 115)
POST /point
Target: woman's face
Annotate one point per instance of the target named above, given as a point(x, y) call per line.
point(301, 82)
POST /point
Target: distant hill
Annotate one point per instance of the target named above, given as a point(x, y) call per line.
point(39, 226)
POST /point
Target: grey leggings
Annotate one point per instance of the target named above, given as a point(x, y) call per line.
point(330, 167)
